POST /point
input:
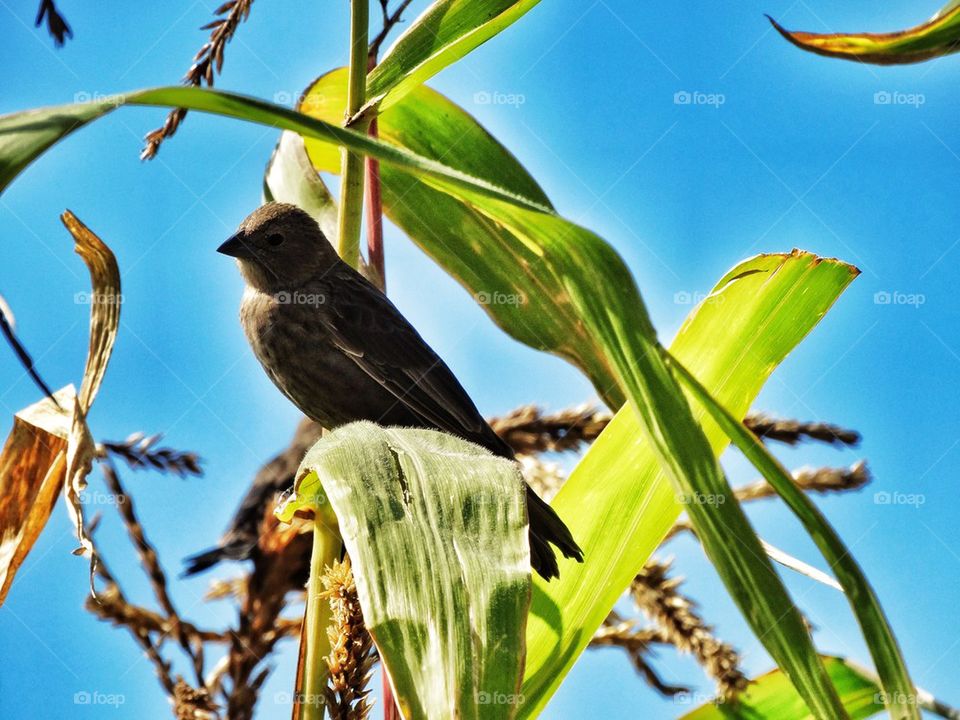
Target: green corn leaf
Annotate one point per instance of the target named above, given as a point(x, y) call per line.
point(863, 600)
point(617, 502)
point(436, 530)
point(771, 697)
point(26, 135)
point(940, 35)
point(574, 297)
point(444, 33)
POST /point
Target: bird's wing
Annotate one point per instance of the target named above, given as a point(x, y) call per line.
point(370, 330)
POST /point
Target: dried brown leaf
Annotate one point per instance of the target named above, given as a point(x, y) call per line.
point(32, 470)
point(50, 448)
point(105, 299)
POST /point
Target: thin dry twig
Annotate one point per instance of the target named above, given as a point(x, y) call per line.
point(658, 597)
point(151, 566)
point(819, 480)
point(138, 451)
point(113, 595)
point(56, 24)
point(792, 432)
point(529, 430)
point(111, 606)
point(207, 63)
point(637, 642)
point(7, 328)
point(389, 21)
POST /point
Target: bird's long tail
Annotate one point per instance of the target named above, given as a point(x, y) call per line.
point(208, 558)
point(546, 529)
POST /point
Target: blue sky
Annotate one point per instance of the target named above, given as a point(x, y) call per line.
point(779, 150)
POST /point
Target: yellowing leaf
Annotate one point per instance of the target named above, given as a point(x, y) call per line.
point(938, 36)
point(772, 696)
point(105, 299)
point(31, 475)
point(51, 448)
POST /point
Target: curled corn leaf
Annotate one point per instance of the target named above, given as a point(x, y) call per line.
point(51, 447)
point(938, 36)
point(104, 321)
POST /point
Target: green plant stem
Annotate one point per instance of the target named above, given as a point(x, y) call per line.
point(895, 680)
point(351, 178)
point(326, 550)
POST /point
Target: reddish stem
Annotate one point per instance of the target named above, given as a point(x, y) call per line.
point(375, 201)
point(375, 216)
point(376, 260)
point(390, 709)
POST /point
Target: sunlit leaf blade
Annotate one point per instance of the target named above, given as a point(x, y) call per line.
point(863, 600)
point(771, 697)
point(428, 124)
point(754, 317)
point(574, 296)
point(26, 135)
point(444, 33)
point(938, 36)
point(436, 531)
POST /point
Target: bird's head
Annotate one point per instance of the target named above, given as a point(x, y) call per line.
point(279, 246)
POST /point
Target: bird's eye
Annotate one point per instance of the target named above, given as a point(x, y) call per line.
point(275, 239)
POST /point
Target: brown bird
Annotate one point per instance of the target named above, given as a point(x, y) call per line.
point(334, 344)
point(242, 538)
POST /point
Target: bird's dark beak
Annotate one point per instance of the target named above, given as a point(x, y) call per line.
point(235, 246)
